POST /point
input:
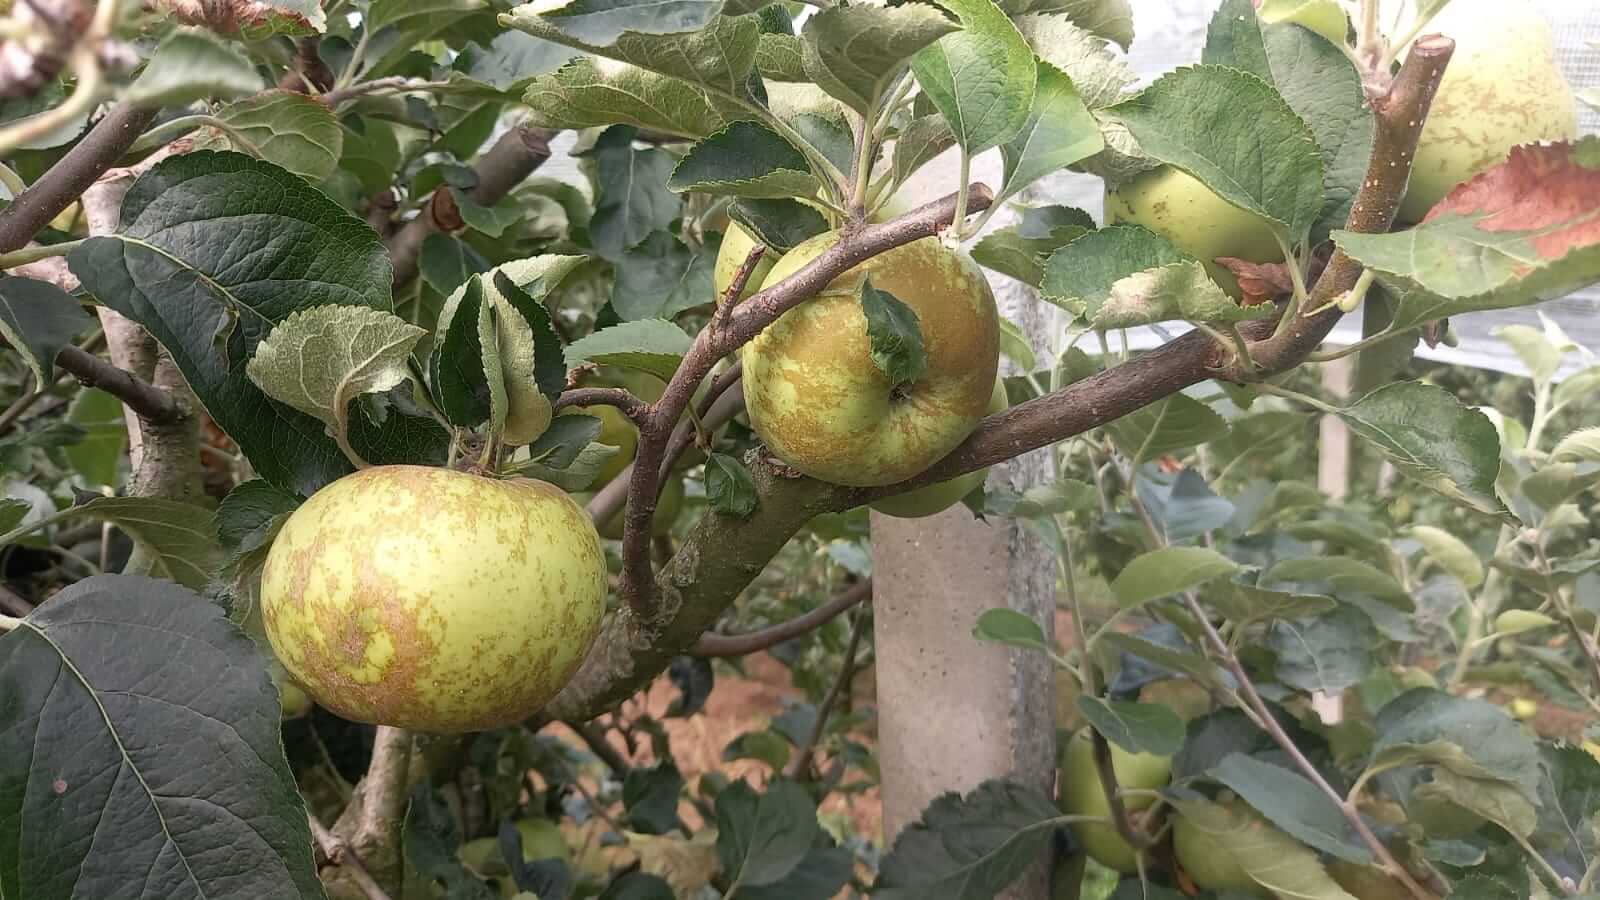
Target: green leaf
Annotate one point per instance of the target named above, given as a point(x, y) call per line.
point(717, 58)
point(601, 22)
point(648, 345)
point(730, 489)
point(1201, 669)
point(492, 221)
point(982, 78)
point(968, 848)
point(856, 52)
point(588, 92)
point(1581, 446)
point(249, 516)
point(1234, 133)
point(1167, 571)
point(1058, 132)
point(1342, 575)
point(293, 130)
point(634, 200)
point(1103, 20)
point(1007, 626)
point(1493, 800)
point(192, 65)
point(639, 886)
point(464, 367)
point(1517, 621)
point(1126, 275)
point(1272, 858)
point(1135, 727)
point(820, 876)
point(919, 143)
point(1451, 553)
point(39, 320)
point(1176, 423)
point(98, 455)
point(1428, 435)
point(292, 18)
point(780, 224)
point(214, 250)
point(548, 369)
point(511, 61)
point(1021, 250)
point(1327, 653)
point(318, 360)
point(895, 334)
point(782, 57)
point(660, 278)
point(181, 536)
point(12, 512)
point(431, 842)
point(445, 263)
point(1517, 235)
point(746, 159)
point(371, 153)
point(1293, 804)
point(762, 837)
point(1471, 738)
point(766, 746)
point(1100, 77)
point(1534, 348)
point(114, 669)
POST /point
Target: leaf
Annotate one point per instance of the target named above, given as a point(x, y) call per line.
point(39, 320)
point(1135, 727)
point(1007, 626)
point(173, 729)
point(919, 143)
point(729, 488)
point(1519, 233)
point(715, 60)
point(1293, 804)
point(1234, 133)
point(181, 535)
point(1428, 435)
point(511, 61)
point(214, 250)
point(431, 839)
point(1343, 575)
point(981, 79)
point(1569, 799)
point(1471, 738)
point(547, 369)
point(648, 345)
point(250, 514)
point(650, 796)
point(192, 65)
point(1451, 553)
point(588, 92)
point(1327, 653)
point(856, 52)
point(638, 886)
point(254, 20)
point(290, 129)
point(660, 278)
point(762, 837)
point(1167, 571)
point(746, 159)
point(1581, 446)
point(1020, 251)
point(1493, 800)
point(968, 848)
point(97, 456)
point(1272, 858)
point(1185, 507)
point(1058, 132)
point(464, 368)
point(318, 360)
point(820, 876)
point(446, 263)
point(895, 334)
point(603, 21)
point(1178, 422)
point(780, 224)
point(1100, 77)
point(1245, 603)
point(765, 746)
point(1126, 275)
point(1192, 664)
point(782, 57)
point(634, 200)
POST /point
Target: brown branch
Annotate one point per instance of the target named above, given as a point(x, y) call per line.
point(154, 405)
point(502, 167)
point(595, 740)
point(13, 603)
point(856, 245)
point(621, 398)
point(741, 279)
point(800, 769)
point(338, 852)
point(65, 181)
point(720, 645)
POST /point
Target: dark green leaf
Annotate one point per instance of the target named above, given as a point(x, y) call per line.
point(968, 848)
point(746, 159)
point(638, 886)
point(1183, 507)
point(650, 796)
point(1472, 738)
point(856, 52)
point(445, 263)
point(461, 387)
point(895, 334)
point(819, 876)
point(729, 488)
point(1293, 804)
point(1135, 727)
point(511, 60)
point(134, 701)
point(634, 200)
point(766, 746)
point(660, 278)
point(565, 438)
point(38, 319)
point(431, 840)
point(762, 837)
point(251, 513)
point(1326, 653)
point(780, 224)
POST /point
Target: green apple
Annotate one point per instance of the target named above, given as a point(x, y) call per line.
point(432, 599)
point(1325, 17)
point(736, 246)
point(668, 505)
point(936, 498)
point(1366, 882)
point(815, 396)
point(1181, 209)
point(1082, 795)
point(1212, 865)
point(1501, 89)
point(295, 703)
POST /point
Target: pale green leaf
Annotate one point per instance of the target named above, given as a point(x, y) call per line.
point(982, 78)
point(856, 52)
point(649, 345)
point(1168, 571)
point(1058, 132)
point(192, 65)
point(297, 132)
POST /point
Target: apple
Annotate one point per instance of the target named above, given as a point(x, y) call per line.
point(294, 701)
point(815, 396)
point(936, 498)
point(668, 505)
point(1212, 865)
point(1366, 882)
point(1501, 89)
point(1322, 16)
point(432, 599)
point(1177, 206)
point(616, 430)
point(1082, 795)
point(736, 246)
point(541, 839)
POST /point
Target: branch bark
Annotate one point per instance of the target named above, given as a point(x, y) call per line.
point(154, 405)
point(338, 852)
point(713, 644)
point(372, 821)
point(512, 158)
point(621, 398)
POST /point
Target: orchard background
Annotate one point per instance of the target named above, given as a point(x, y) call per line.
point(455, 449)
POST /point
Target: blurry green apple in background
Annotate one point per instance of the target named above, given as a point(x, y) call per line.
point(1082, 795)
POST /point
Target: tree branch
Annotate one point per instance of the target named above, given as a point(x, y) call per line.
point(153, 404)
point(741, 279)
point(338, 852)
point(621, 398)
point(502, 167)
point(719, 645)
point(79, 169)
point(595, 740)
point(800, 770)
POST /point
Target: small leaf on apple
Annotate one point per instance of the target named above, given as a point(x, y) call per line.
point(896, 335)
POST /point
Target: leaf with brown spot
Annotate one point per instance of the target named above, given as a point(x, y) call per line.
point(1522, 232)
point(1260, 282)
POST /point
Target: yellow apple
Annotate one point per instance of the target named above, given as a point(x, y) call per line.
point(433, 599)
point(736, 246)
point(1502, 88)
point(936, 498)
point(815, 396)
point(1082, 795)
point(1212, 865)
point(1181, 209)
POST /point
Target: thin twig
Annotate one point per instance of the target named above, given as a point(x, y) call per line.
point(338, 852)
point(741, 279)
point(153, 404)
point(800, 769)
point(621, 398)
point(397, 84)
point(713, 644)
point(595, 740)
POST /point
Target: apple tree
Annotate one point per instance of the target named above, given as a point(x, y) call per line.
point(327, 405)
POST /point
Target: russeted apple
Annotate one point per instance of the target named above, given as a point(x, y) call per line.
point(434, 599)
point(1501, 89)
point(821, 404)
point(936, 498)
